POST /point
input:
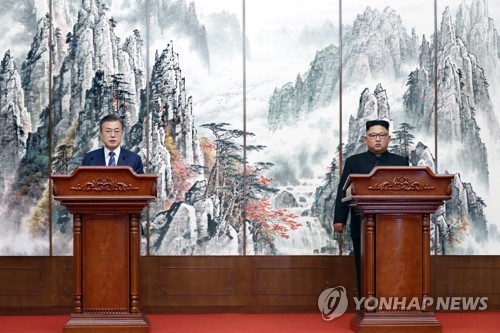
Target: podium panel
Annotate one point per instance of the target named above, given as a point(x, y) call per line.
point(105, 265)
point(398, 255)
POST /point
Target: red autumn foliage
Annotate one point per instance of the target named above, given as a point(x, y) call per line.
point(271, 222)
point(265, 181)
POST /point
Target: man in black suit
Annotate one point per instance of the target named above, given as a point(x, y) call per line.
point(377, 140)
point(111, 133)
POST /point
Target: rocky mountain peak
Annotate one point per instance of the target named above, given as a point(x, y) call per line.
point(15, 123)
point(377, 46)
point(447, 32)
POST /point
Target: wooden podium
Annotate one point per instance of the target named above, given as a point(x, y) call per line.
point(396, 203)
point(106, 203)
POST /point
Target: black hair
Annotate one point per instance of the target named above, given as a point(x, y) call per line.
point(378, 122)
point(111, 117)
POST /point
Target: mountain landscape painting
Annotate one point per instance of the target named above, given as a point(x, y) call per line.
point(245, 110)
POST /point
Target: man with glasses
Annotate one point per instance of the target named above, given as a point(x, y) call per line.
point(111, 134)
point(377, 140)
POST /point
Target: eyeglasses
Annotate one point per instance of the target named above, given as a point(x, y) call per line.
point(109, 132)
point(380, 135)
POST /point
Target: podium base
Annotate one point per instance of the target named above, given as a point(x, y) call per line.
point(107, 323)
point(400, 322)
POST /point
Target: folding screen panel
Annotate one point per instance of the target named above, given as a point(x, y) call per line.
point(197, 126)
point(292, 118)
point(468, 124)
point(24, 128)
point(382, 41)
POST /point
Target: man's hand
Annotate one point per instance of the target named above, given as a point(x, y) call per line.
point(339, 227)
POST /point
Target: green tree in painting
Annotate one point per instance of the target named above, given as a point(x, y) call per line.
point(402, 139)
point(122, 97)
point(62, 159)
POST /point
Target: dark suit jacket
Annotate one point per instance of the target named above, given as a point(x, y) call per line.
point(361, 163)
point(126, 158)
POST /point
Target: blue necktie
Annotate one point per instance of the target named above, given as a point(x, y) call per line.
point(112, 161)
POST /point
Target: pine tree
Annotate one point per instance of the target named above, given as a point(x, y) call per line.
point(241, 190)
